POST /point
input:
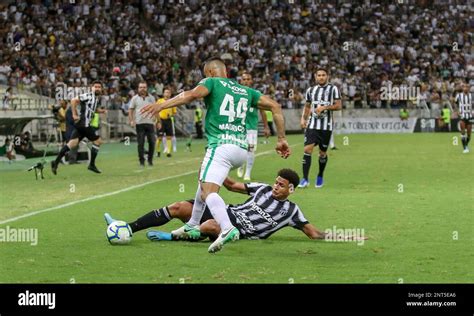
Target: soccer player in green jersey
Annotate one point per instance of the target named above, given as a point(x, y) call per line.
point(252, 131)
point(227, 104)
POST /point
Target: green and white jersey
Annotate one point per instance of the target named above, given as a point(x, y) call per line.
point(252, 119)
point(228, 104)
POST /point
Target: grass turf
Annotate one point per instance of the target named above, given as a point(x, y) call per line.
point(421, 235)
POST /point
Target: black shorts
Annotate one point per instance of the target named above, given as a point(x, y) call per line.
point(468, 121)
point(166, 128)
point(317, 137)
point(89, 132)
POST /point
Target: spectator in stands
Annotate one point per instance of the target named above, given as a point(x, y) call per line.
point(7, 98)
point(370, 43)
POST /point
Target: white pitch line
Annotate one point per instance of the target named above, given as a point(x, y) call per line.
point(95, 197)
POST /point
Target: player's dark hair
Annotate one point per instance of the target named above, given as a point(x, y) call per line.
point(320, 68)
point(144, 82)
point(290, 175)
point(97, 82)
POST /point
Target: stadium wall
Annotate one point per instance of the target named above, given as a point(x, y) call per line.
point(115, 124)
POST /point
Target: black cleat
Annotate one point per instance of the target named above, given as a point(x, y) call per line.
point(158, 154)
point(94, 169)
point(54, 167)
point(168, 155)
point(150, 163)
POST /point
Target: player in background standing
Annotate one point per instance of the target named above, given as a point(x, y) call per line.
point(87, 103)
point(321, 100)
point(463, 102)
point(227, 105)
point(145, 126)
point(165, 125)
point(252, 131)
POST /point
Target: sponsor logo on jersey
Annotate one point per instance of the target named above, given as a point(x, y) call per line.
point(265, 215)
point(235, 89)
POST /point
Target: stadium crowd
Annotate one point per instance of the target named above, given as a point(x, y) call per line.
point(364, 45)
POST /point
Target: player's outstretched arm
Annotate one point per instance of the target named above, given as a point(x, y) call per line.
point(235, 186)
point(312, 232)
point(267, 103)
point(183, 98)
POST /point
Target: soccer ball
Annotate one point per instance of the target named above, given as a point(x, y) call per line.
point(119, 233)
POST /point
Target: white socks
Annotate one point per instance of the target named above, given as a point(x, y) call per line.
point(218, 210)
point(250, 160)
point(198, 209)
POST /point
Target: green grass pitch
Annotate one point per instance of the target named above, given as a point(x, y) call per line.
point(423, 234)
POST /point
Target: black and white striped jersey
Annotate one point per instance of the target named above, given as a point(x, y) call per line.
point(87, 107)
point(464, 104)
point(262, 215)
point(321, 96)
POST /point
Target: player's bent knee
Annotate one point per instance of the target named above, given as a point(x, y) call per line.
point(181, 210)
point(73, 143)
point(210, 228)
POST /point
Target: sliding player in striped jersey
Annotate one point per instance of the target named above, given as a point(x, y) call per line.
point(321, 100)
point(265, 212)
point(464, 106)
point(227, 105)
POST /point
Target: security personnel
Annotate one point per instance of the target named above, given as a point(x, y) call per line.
point(198, 122)
point(165, 125)
point(446, 118)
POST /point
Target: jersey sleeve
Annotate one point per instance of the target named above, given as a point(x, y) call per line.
point(456, 99)
point(336, 95)
point(253, 187)
point(298, 220)
point(307, 95)
point(83, 97)
point(208, 83)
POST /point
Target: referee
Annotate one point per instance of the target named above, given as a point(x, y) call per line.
point(145, 126)
point(464, 105)
point(87, 104)
point(321, 100)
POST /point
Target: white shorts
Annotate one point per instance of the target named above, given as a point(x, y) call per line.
point(219, 161)
point(252, 138)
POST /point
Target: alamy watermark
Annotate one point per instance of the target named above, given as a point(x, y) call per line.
point(9, 234)
point(402, 92)
point(65, 92)
point(335, 234)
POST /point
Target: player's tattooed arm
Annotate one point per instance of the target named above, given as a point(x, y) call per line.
point(183, 98)
point(235, 186)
